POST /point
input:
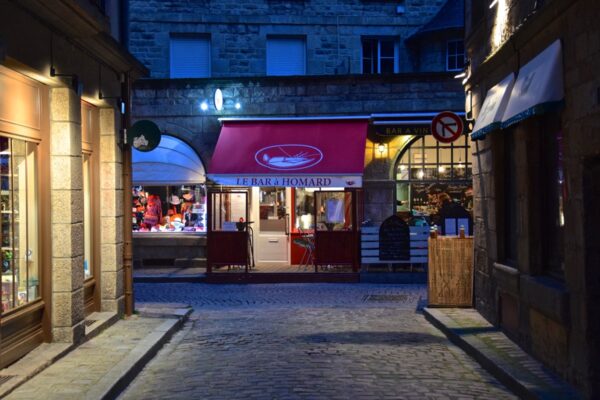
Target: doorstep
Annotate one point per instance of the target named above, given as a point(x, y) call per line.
point(500, 356)
point(99, 368)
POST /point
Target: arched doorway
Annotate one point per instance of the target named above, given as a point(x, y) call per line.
point(429, 173)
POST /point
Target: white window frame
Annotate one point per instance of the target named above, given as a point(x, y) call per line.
point(456, 54)
point(173, 62)
point(393, 39)
point(272, 38)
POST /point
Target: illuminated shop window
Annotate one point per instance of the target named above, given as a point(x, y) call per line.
point(19, 224)
point(431, 175)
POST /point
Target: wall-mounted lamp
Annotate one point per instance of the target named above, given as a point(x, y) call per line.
point(494, 2)
point(204, 106)
point(218, 99)
point(238, 105)
point(381, 150)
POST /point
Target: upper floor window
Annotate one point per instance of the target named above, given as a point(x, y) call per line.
point(189, 57)
point(286, 55)
point(455, 55)
point(379, 56)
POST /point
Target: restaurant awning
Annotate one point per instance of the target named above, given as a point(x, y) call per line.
point(173, 162)
point(294, 153)
point(492, 110)
point(539, 87)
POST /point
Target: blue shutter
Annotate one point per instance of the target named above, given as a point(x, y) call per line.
point(286, 56)
point(190, 57)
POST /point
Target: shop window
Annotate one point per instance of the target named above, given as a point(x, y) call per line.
point(189, 57)
point(87, 218)
point(304, 209)
point(334, 211)
point(169, 208)
point(552, 210)
point(433, 183)
point(19, 224)
point(455, 55)
point(379, 56)
point(286, 55)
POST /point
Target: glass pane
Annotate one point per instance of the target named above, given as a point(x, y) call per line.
point(87, 219)
point(387, 49)
point(430, 155)
point(334, 211)
point(402, 171)
point(444, 171)
point(19, 194)
point(387, 65)
point(228, 210)
point(33, 250)
point(445, 154)
point(8, 277)
point(304, 209)
point(402, 197)
point(430, 141)
point(169, 208)
point(272, 209)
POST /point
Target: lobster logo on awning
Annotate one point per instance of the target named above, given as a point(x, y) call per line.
point(288, 157)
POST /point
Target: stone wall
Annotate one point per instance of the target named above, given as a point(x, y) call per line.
point(238, 30)
point(556, 317)
point(175, 106)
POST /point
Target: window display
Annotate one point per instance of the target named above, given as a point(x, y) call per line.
point(19, 224)
point(304, 208)
point(169, 208)
point(432, 178)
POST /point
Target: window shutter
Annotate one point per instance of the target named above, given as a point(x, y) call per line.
point(190, 57)
point(286, 56)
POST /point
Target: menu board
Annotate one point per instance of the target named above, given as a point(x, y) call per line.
point(394, 240)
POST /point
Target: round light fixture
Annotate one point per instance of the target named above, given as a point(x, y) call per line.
point(218, 99)
point(238, 105)
point(204, 106)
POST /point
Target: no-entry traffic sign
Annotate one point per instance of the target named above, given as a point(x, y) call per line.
point(446, 127)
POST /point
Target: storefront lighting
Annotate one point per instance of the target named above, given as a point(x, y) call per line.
point(461, 75)
point(421, 174)
point(238, 105)
point(493, 3)
point(381, 150)
point(441, 169)
point(204, 106)
point(218, 100)
point(403, 167)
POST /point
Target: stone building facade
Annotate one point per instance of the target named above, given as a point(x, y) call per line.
point(62, 215)
point(334, 81)
point(536, 186)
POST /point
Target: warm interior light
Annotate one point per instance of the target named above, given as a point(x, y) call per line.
point(381, 147)
point(442, 169)
point(420, 174)
point(403, 167)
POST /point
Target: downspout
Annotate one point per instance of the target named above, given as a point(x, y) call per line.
point(127, 201)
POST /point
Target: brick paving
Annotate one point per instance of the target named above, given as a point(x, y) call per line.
point(311, 341)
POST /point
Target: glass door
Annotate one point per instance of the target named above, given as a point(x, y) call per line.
point(271, 209)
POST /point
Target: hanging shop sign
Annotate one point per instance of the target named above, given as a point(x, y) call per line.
point(401, 129)
point(446, 127)
point(144, 135)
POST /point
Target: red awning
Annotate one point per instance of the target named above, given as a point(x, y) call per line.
point(304, 153)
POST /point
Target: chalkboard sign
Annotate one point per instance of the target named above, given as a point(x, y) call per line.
point(394, 240)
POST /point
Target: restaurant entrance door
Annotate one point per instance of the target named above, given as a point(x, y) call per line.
point(270, 211)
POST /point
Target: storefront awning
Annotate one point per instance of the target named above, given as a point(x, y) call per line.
point(492, 110)
point(539, 87)
point(173, 162)
point(296, 153)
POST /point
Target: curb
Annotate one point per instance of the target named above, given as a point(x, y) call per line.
point(169, 279)
point(510, 380)
point(125, 371)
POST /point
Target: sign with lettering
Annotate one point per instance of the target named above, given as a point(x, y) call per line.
point(290, 181)
point(144, 135)
point(398, 130)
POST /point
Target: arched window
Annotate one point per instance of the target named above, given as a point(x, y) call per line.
point(429, 172)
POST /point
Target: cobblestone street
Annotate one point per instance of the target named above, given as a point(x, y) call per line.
point(313, 341)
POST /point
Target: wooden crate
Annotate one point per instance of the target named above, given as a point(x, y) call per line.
point(450, 278)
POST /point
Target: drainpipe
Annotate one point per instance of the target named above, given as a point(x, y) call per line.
point(127, 201)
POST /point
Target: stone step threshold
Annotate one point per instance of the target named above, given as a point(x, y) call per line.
point(499, 355)
point(28, 377)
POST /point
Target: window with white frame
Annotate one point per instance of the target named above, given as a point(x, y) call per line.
point(379, 56)
point(455, 55)
point(286, 55)
point(189, 57)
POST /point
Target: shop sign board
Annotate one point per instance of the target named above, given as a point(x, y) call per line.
point(399, 130)
point(446, 127)
point(319, 181)
point(144, 135)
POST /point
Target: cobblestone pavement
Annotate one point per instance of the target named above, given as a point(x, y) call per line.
point(313, 341)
